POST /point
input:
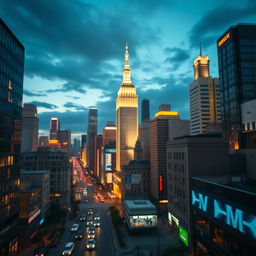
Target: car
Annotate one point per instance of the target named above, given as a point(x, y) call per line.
point(68, 249)
point(86, 201)
point(96, 223)
point(82, 218)
point(89, 221)
point(90, 212)
point(91, 244)
point(90, 207)
point(79, 235)
point(43, 251)
point(101, 200)
point(96, 217)
point(91, 234)
point(90, 228)
point(74, 227)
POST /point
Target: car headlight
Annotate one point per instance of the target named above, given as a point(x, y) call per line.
point(87, 246)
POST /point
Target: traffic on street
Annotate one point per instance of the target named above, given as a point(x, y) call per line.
point(89, 233)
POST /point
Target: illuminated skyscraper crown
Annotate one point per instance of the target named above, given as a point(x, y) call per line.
point(127, 71)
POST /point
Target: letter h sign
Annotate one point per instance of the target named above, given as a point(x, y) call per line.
point(200, 200)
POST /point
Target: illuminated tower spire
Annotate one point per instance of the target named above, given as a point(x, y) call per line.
point(127, 71)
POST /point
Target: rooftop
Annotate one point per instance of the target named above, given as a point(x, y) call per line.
point(140, 207)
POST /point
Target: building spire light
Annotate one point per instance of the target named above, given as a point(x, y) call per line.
point(127, 71)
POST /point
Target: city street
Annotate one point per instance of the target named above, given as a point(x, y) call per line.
point(103, 233)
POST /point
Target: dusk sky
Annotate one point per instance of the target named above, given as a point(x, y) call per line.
point(75, 51)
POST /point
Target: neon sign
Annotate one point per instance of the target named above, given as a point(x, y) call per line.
point(224, 39)
point(108, 162)
point(228, 214)
point(160, 183)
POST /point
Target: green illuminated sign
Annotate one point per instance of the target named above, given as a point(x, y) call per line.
point(183, 235)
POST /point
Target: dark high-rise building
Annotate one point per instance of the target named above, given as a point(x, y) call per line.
point(158, 139)
point(237, 69)
point(91, 133)
point(54, 128)
point(11, 90)
point(29, 134)
point(83, 139)
point(145, 110)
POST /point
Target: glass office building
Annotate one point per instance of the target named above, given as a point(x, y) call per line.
point(223, 218)
point(11, 90)
point(237, 71)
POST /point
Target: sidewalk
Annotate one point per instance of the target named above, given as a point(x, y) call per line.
point(151, 243)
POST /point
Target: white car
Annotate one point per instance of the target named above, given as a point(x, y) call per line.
point(74, 227)
point(68, 249)
point(91, 244)
point(96, 223)
point(91, 234)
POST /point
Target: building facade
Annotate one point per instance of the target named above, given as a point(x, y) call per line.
point(43, 141)
point(144, 137)
point(223, 218)
point(237, 69)
point(145, 110)
point(11, 90)
point(29, 131)
point(91, 133)
point(204, 97)
point(54, 128)
point(158, 139)
point(199, 155)
point(126, 118)
point(60, 171)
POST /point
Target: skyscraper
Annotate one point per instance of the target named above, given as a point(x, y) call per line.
point(145, 110)
point(204, 98)
point(11, 77)
point(158, 139)
point(91, 133)
point(29, 134)
point(54, 128)
point(109, 134)
point(126, 118)
point(237, 69)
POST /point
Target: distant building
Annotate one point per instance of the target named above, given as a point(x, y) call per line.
point(60, 171)
point(109, 133)
point(43, 141)
point(158, 138)
point(200, 155)
point(178, 128)
point(29, 215)
point(144, 137)
point(91, 133)
point(145, 110)
point(54, 128)
point(204, 96)
point(29, 134)
point(97, 155)
point(39, 179)
point(76, 147)
point(223, 217)
point(83, 139)
point(11, 80)
point(237, 69)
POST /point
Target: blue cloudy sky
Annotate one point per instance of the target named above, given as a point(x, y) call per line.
point(75, 51)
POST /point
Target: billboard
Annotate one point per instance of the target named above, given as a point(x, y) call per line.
point(183, 235)
point(227, 213)
point(108, 159)
point(108, 162)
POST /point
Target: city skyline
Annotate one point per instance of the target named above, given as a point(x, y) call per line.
point(68, 71)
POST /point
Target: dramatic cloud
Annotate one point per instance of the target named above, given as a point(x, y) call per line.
point(74, 106)
point(178, 56)
point(210, 26)
point(43, 104)
point(75, 51)
point(33, 94)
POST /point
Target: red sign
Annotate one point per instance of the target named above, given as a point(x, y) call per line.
point(160, 183)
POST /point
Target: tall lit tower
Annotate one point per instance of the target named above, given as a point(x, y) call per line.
point(126, 118)
point(54, 128)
